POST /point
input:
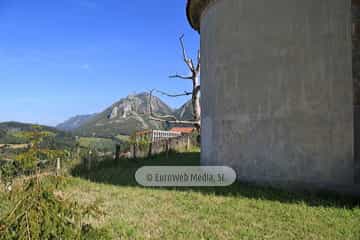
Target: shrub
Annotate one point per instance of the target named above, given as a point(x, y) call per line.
point(8, 171)
point(41, 211)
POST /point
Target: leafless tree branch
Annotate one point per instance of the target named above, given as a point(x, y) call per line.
point(175, 95)
point(188, 61)
point(198, 62)
point(195, 78)
point(174, 121)
point(152, 114)
point(181, 77)
point(197, 89)
point(167, 118)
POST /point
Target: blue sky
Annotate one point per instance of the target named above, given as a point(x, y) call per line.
point(63, 58)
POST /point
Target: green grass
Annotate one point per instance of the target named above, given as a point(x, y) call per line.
point(123, 138)
point(237, 212)
point(240, 211)
point(98, 143)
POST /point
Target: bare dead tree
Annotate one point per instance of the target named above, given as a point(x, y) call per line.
point(194, 77)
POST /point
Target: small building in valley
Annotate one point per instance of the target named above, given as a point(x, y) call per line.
point(183, 130)
point(156, 135)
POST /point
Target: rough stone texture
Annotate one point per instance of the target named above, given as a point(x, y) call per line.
point(277, 91)
point(114, 113)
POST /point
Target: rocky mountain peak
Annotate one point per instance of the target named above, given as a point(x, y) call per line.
point(125, 116)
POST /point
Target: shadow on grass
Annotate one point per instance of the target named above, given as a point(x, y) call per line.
point(122, 173)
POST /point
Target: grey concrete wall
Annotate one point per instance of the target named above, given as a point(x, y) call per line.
point(357, 144)
point(277, 91)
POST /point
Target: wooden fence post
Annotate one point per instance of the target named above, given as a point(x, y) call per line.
point(188, 143)
point(78, 152)
point(150, 149)
point(167, 148)
point(117, 152)
point(58, 166)
point(134, 150)
point(89, 160)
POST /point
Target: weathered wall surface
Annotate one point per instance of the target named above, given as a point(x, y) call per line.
point(277, 90)
point(356, 52)
point(356, 79)
point(357, 144)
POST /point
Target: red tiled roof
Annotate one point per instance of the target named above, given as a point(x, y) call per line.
point(183, 129)
point(144, 132)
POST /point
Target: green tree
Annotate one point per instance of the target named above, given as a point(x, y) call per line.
point(30, 159)
point(41, 211)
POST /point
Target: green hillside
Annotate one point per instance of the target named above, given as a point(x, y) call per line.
point(11, 135)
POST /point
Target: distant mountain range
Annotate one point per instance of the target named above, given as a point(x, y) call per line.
point(13, 127)
point(74, 122)
point(185, 112)
point(10, 133)
point(124, 117)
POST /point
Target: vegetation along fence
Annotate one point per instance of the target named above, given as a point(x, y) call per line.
point(147, 149)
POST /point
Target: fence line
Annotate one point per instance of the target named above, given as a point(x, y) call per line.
point(179, 143)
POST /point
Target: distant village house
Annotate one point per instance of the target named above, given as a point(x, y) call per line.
point(156, 135)
point(183, 130)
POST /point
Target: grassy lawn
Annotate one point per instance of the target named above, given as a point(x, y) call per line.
point(123, 138)
point(237, 212)
point(240, 211)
